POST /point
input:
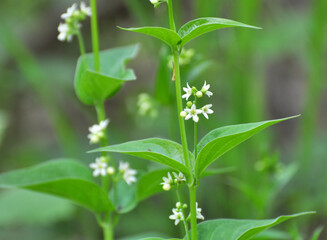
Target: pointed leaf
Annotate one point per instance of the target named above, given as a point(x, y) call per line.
point(92, 86)
point(63, 178)
point(164, 34)
point(219, 141)
point(236, 229)
point(200, 26)
point(163, 151)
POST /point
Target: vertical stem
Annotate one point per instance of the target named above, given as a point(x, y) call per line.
point(95, 35)
point(171, 16)
point(81, 43)
point(108, 233)
point(195, 140)
point(192, 190)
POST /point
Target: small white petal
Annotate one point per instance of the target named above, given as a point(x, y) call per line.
point(195, 118)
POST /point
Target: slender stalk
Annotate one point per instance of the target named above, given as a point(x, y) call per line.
point(108, 233)
point(171, 16)
point(192, 190)
point(195, 140)
point(81, 43)
point(184, 217)
point(95, 35)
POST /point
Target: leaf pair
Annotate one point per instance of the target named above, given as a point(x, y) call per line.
point(91, 86)
point(211, 147)
point(188, 31)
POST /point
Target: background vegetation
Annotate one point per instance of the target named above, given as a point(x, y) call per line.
point(255, 75)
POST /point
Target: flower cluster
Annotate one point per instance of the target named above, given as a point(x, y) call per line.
point(72, 19)
point(157, 3)
point(101, 167)
point(178, 214)
point(97, 131)
point(191, 110)
point(169, 181)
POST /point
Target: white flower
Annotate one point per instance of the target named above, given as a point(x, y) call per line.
point(188, 91)
point(99, 167)
point(64, 33)
point(205, 89)
point(128, 173)
point(96, 131)
point(110, 170)
point(154, 1)
point(193, 113)
point(199, 94)
point(70, 12)
point(179, 178)
point(86, 10)
point(206, 110)
point(177, 215)
point(167, 181)
point(198, 212)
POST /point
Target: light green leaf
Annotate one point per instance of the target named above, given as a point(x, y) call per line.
point(91, 86)
point(219, 141)
point(200, 26)
point(26, 207)
point(272, 235)
point(235, 229)
point(216, 171)
point(164, 34)
point(63, 178)
point(317, 232)
point(163, 151)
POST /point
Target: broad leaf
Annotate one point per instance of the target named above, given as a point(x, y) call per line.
point(200, 26)
point(164, 34)
point(163, 151)
point(219, 141)
point(235, 229)
point(272, 235)
point(63, 178)
point(92, 86)
point(125, 198)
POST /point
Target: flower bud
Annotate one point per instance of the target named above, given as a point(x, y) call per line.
point(189, 104)
point(183, 114)
point(110, 170)
point(166, 187)
point(199, 94)
point(178, 205)
point(185, 205)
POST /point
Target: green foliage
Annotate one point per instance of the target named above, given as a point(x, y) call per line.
point(158, 150)
point(124, 198)
point(200, 26)
point(91, 86)
point(272, 235)
point(63, 178)
point(188, 31)
point(235, 229)
point(219, 141)
point(316, 233)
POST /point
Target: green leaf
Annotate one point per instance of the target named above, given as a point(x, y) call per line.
point(235, 229)
point(164, 34)
point(91, 86)
point(216, 171)
point(125, 199)
point(26, 207)
point(219, 141)
point(317, 232)
point(271, 235)
point(163, 151)
point(200, 26)
point(63, 178)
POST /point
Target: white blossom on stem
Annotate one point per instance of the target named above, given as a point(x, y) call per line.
point(96, 131)
point(179, 177)
point(192, 113)
point(188, 92)
point(99, 167)
point(177, 215)
point(205, 89)
point(198, 212)
point(167, 181)
point(64, 33)
point(128, 173)
point(70, 12)
point(206, 110)
point(85, 9)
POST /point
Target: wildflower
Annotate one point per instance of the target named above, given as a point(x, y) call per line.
point(128, 173)
point(179, 178)
point(99, 167)
point(183, 114)
point(206, 110)
point(154, 1)
point(188, 91)
point(198, 212)
point(193, 113)
point(96, 131)
point(64, 33)
point(167, 181)
point(70, 12)
point(177, 213)
point(85, 10)
point(205, 89)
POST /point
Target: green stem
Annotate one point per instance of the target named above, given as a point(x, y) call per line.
point(95, 35)
point(81, 44)
point(108, 233)
point(192, 190)
point(184, 220)
point(171, 16)
point(195, 140)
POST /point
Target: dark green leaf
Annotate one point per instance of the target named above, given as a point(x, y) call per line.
point(235, 229)
point(64, 178)
point(91, 86)
point(164, 34)
point(219, 141)
point(163, 151)
point(200, 26)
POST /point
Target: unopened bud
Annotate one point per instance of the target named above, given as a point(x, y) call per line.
point(199, 94)
point(166, 187)
point(184, 205)
point(110, 170)
point(183, 114)
point(178, 205)
point(189, 104)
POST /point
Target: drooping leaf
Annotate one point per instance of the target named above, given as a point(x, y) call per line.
point(26, 207)
point(200, 26)
point(63, 178)
point(236, 229)
point(92, 86)
point(163, 151)
point(164, 34)
point(219, 141)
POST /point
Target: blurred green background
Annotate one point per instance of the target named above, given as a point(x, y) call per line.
point(255, 75)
